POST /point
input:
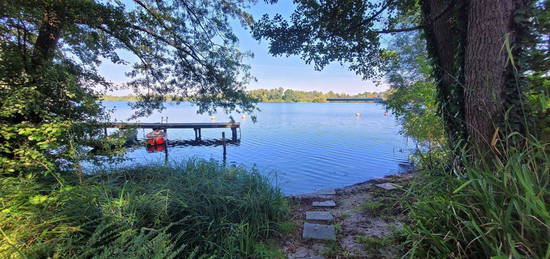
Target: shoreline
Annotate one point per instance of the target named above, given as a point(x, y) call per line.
point(405, 175)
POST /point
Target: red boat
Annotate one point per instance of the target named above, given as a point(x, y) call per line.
point(155, 137)
point(155, 148)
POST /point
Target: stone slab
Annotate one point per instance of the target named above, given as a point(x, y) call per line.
point(326, 192)
point(330, 203)
point(319, 215)
point(301, 252)
point(319, 231)
point(311, 196)
point(388, 186)
point(305, 253)
point(307, 257)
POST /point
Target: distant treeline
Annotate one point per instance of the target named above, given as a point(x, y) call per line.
point(119, 98)
point(289, 95)
point(278, 95)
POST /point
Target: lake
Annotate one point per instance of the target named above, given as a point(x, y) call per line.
point(304, 147)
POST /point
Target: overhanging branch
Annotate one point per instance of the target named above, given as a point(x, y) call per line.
point(401, 30)
point(372, 17)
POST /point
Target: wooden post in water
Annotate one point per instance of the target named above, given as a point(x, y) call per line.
point(197, 134)
point(165, 129)
point(234, 134)
point(105, 129)
point(166, 151)
point(224, 147)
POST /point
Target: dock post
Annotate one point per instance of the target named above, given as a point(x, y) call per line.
point(105, 130)
point(224, 147)
point(234, 134)
point(196, 134)
point(166, 152)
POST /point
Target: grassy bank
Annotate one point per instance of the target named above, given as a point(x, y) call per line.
point(189, 210)
point(478, 210)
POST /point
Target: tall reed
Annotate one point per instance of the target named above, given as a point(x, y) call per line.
point(481, 210)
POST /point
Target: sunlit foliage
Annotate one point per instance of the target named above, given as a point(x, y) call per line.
point(413, 97)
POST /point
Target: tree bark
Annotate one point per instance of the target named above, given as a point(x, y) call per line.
point(467, 45)
point(46, 42)
point(445, 42)
point(485, 68)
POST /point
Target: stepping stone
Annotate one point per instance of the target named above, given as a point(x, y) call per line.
point(312, 196)
point(326, 192)
point(318, 231)
point(318, 248)
point(319, 215)
point(388, 186)
point(324, 203)
point(301, 252)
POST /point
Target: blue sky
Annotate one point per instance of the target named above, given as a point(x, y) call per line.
point(272, 72)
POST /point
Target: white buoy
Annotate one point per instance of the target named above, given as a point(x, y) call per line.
point(212, 118)
point(243, 116)
point(357, 114)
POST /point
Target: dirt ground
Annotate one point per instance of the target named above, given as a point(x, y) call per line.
point(367, 220)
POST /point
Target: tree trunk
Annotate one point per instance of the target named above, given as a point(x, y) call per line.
point(46, 42)
point(485, 68)
point(467, 42)
point(445, 41)
point(43, 53)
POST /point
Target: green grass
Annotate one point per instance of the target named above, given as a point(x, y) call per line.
point(389, 246)
point(287, 228)
point(373, 244)
point(269, 250)
point(332, 249)
point(196, 209)
point(387, 205)
point(372, 207)
point(480, 210)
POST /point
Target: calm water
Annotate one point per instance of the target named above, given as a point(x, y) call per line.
point(304, 146)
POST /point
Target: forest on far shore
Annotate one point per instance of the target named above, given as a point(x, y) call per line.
point(277, 95)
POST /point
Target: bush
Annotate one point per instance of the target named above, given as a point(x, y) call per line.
point(480, 211)
point(195, 209)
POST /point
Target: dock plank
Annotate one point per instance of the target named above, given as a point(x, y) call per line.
point(203, 125)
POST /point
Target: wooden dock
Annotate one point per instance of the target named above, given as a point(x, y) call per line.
point(164, 126)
